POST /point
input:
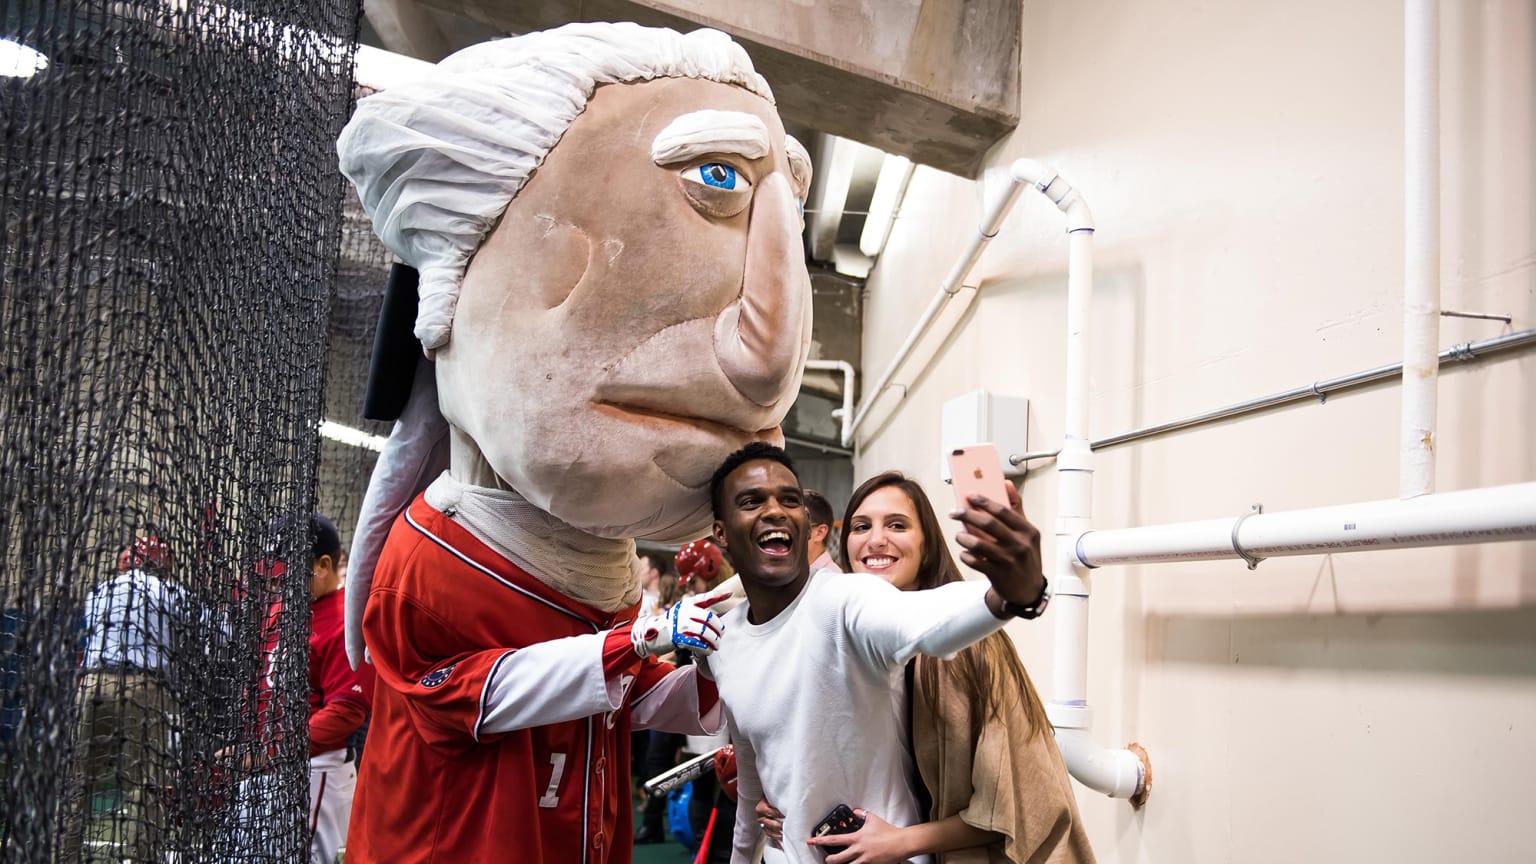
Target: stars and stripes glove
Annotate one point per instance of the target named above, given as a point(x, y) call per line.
point(689, 624)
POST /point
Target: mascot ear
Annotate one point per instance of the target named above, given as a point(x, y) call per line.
point(396, 350)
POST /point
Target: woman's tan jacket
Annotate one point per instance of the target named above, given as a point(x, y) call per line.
point(1002, 780)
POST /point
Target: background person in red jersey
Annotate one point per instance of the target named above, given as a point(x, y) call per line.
point(338, 697)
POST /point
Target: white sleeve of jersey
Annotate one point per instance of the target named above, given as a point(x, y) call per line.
point(548, 682)
point(673, 706)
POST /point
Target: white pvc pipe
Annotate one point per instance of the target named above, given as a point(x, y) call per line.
point(1074, 501)
point(1421, 241)
point(1447, 519)
point(991, 220)
point(845, 413)
point(1116, 773)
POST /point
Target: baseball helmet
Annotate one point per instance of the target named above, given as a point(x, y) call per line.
point(698, 559)
point(150, 553)
point(725, 770)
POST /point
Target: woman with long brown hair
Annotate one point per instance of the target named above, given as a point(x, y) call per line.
point(981, 740)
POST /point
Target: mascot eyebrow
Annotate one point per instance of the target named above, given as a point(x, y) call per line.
point(705, 133)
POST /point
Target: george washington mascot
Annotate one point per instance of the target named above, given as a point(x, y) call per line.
point(612, 297)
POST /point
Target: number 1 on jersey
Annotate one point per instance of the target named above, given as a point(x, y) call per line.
point(552, 794)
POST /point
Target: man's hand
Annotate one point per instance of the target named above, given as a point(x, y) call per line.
point(1000, 543)
point(688, 625)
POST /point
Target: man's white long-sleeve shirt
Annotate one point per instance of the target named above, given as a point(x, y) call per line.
point(815, 699)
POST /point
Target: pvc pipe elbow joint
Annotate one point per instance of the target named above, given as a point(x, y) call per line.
point(1050, 184)
point(1116, 773)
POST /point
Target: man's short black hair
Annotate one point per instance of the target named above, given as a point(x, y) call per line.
point(323, 537)
point(754, 451)
point(818, 508)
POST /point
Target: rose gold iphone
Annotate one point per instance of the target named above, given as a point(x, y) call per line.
point(977, 469)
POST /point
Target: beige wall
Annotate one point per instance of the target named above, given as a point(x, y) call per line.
point(1244, 162)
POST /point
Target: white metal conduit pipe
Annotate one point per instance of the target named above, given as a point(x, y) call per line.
point(1449, 518)
point(991, 220)
point(1118, 773)
point(845, 413)
point(1421, 243)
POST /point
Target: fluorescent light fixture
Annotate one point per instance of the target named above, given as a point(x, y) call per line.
point(890, 189)
point(20, 61)
point(829, 192)
point(380, 70)
point(351, 437)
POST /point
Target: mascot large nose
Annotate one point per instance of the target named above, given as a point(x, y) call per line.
point(762, 338)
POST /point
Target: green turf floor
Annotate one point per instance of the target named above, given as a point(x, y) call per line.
point(670, 852)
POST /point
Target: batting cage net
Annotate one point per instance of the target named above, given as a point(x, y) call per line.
point(170, 215)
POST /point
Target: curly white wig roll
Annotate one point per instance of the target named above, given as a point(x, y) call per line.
point(436, 161)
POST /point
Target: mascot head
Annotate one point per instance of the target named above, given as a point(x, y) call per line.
point(613, 292)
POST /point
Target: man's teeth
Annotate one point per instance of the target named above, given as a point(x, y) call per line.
point(774, 535)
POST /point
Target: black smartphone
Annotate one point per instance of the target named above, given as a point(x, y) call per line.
point(842, 820)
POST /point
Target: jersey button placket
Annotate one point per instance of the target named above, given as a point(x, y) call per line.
point(599, 839)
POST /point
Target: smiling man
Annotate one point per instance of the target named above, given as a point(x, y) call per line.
point(810, 667)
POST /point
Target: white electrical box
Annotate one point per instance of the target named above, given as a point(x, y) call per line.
point(981, 417)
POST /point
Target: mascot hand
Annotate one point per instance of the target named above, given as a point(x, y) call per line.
point(689, 625)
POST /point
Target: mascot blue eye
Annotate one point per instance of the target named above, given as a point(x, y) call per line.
point(718, 174)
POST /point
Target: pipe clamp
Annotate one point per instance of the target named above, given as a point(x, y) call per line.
point(1253, 560)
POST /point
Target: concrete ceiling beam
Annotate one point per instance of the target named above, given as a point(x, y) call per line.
point(933, 80)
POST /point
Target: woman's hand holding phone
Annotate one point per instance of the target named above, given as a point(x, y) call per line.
point(876, 842)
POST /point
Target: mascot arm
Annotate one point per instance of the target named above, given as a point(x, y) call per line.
point(678, 699)
point(465, 696)
point(457, 693)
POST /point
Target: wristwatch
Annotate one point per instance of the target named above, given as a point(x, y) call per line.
point(1033, 610)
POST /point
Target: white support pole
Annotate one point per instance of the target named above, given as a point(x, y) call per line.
point(1421, 242)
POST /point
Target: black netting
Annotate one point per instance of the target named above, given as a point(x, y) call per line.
point(170, 213)
point(360, 281)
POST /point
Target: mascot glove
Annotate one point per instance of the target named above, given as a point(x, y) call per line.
point(688, 625)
